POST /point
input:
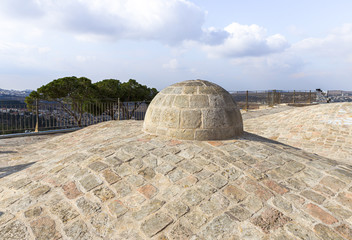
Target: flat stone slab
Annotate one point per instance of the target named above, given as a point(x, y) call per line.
point(112, 181)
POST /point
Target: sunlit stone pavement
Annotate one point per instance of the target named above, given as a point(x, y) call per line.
point(112, 181)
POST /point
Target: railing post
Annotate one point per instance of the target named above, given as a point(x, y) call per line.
point(274, 97)
point(247, 101)
point(118, 109)
point(37, 117)
point(294, 96)
point(268, 98)
point(310, 96)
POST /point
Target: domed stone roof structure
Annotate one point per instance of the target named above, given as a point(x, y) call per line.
point(194, 110)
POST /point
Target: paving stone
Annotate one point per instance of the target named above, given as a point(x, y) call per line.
point(33, 212)
point(343, 175)
point(114, 160)
point(333, 183)
point(122, 189)
point(165, 168)
point(276, 187)
point(215, 204)
point(155, 224)
point(282, 204)
point(320, 214)
point(189, 167)
point(235, 193)
point(104, 193)
point(345, 199)
point(14, 230)
point(20, 183)
point(45, 228)
point(293, 167)
point(301, 232)
point(323, 190)
point(192, 197)
point(205, 188)
point(78, 230)
point(148, 173)
point(345, 231)
point(64, 211)
point(136, 163)
point(124, 170)
point(220, 228)
point(40, 191)
point(196, 218)
point(172, 159)
point(326, 233)
point(125, 157)
point(71, 191)
point(231, 173)
point(147, 209)
point(5, 218)
point(110, 176)
point(313, 196)
point(270, 219)
point(135, 180)
point(181, 232)
point(116, 207)
point(176, 175)
point(103, 225)
point(252, 203)
point(89, 182)
point(204, 174)
point(217, 181)
point(88, 207)
point(149, 191)
point(253, 187)
point(337, 210)
point(98, 166)
point(133, 201)
point(177, 209)
point(239, 213)
point(187, 182)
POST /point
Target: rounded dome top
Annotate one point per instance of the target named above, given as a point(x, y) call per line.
point(194, 110)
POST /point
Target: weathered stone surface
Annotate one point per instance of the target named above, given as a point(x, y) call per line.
point(313, 196)
point(155, 224)
point(180, 231)
point(78, 230)
point(88, 207)
point(40, 191)
point(197, 116)
point(333, 183)
point(122, 189)
point(239, 213)
point(103, 225)
point(218, 181)
point(301, 232)
point(97, 166)
point(326, 233)
point(196, 218)
point(33, 212)
point(192, 197)
point(278, 188)
point(117, 208)
point(149, 191)
point(221, 227)
point(14, 230)
point(270, 219)
point(89, 182)
point(177, 209)
point(148, 209)
point(110, 176)
point(71, 191)
point(320, 214)
point(345, 199)
point(235, 193)
point(45, 228)
point(345, 231)
point(104, 193)
point(64, 211)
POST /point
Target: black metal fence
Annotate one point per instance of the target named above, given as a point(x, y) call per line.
point(17, 117)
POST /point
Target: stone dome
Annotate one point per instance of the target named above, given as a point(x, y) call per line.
point(194, 110)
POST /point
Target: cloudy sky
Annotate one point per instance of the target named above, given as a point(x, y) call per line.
point(240, 45)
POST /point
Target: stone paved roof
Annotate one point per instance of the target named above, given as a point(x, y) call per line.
point(324, 129)
point(112, 181)
point(194, 110)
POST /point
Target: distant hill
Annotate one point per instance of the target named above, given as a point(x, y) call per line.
point(14, 95)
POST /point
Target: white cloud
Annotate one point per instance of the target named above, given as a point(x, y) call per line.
point(169, 21)
point(247, 40)
point(172, 64)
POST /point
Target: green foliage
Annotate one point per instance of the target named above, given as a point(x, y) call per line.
point(79, 95)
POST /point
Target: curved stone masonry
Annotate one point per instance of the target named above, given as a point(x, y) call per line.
point(194, 110)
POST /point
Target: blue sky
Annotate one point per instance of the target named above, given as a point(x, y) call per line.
point(240, 45)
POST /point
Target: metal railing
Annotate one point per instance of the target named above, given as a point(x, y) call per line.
point(17, 117)
point(255, 99)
